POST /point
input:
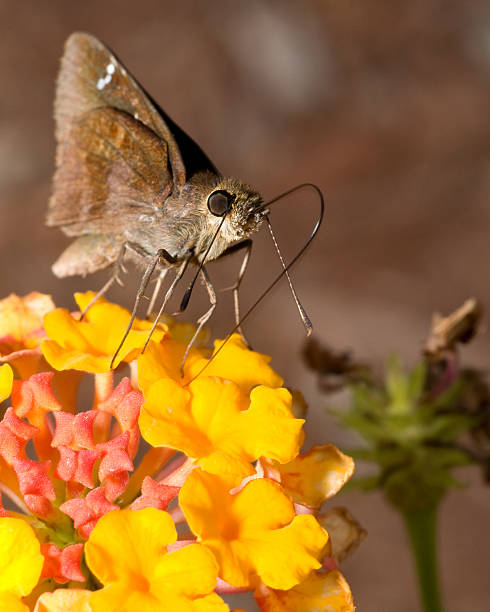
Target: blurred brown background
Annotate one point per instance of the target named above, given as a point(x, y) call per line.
point(384, 104)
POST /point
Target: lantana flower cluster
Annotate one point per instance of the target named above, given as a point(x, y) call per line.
point(157, 486)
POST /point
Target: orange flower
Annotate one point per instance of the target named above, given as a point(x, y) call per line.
point(91, 344)
point(21, 332)
point(320, 591)
point(253, 533)
point(21, 321)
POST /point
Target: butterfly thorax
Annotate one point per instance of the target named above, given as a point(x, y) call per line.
point(185, 225)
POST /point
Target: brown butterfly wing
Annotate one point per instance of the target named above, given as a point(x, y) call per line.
point(103, 119)
point(111, 169)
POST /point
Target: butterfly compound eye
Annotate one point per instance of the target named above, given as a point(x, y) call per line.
point(219, 203)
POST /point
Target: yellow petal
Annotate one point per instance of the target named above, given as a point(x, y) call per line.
point(157, 362)
point(315, 476)
point(261, 506)
point(64, 600)
point(6, 380)
point(21, 561)
point(119, 597)
point(232, 468)
point(11, 603)
point(272, 430)
point(91, 343)
point(284, 557)
point(190, 572)
point(203, 498)
point(115, 598)
point(216, 427)
point(236, 362)
point(252, 532)
point(210, 603)
point(61, 358)
point(164, 360)
point(165, 419)
point(125, 545)
point(328, 592)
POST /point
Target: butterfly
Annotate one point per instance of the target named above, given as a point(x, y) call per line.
point(130, 184)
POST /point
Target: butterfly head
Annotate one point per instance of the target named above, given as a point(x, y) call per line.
point(240, 203)
point(224, 206)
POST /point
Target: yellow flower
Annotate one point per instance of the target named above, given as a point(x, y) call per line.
point(235, 362)
point(21, 562)
point(104, 499)
point(91, 344)
point(6, 380)
point(127, 552)
point(253, 532)
point(327, 591)
point(216, 424)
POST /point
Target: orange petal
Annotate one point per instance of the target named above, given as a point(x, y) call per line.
point(64, 600)
point(21, 320)
point(315, 476)
point(320, 591)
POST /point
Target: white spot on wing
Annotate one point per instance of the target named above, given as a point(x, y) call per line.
point(102, 82)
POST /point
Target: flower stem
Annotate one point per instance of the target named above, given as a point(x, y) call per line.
point(422, 527)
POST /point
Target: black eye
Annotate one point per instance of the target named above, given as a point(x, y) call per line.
point(219, 203)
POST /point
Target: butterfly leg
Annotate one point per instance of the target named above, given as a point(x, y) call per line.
point(204, 318)
point(247, 245)
point(118, 267)
point(168, 295)
point(156, 291)
point(161, 254)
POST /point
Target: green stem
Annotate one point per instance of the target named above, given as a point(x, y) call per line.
point(422, 527)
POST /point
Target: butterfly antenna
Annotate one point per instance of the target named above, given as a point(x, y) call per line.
point(188, 291)
point(283, 272)
point(302, 312)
